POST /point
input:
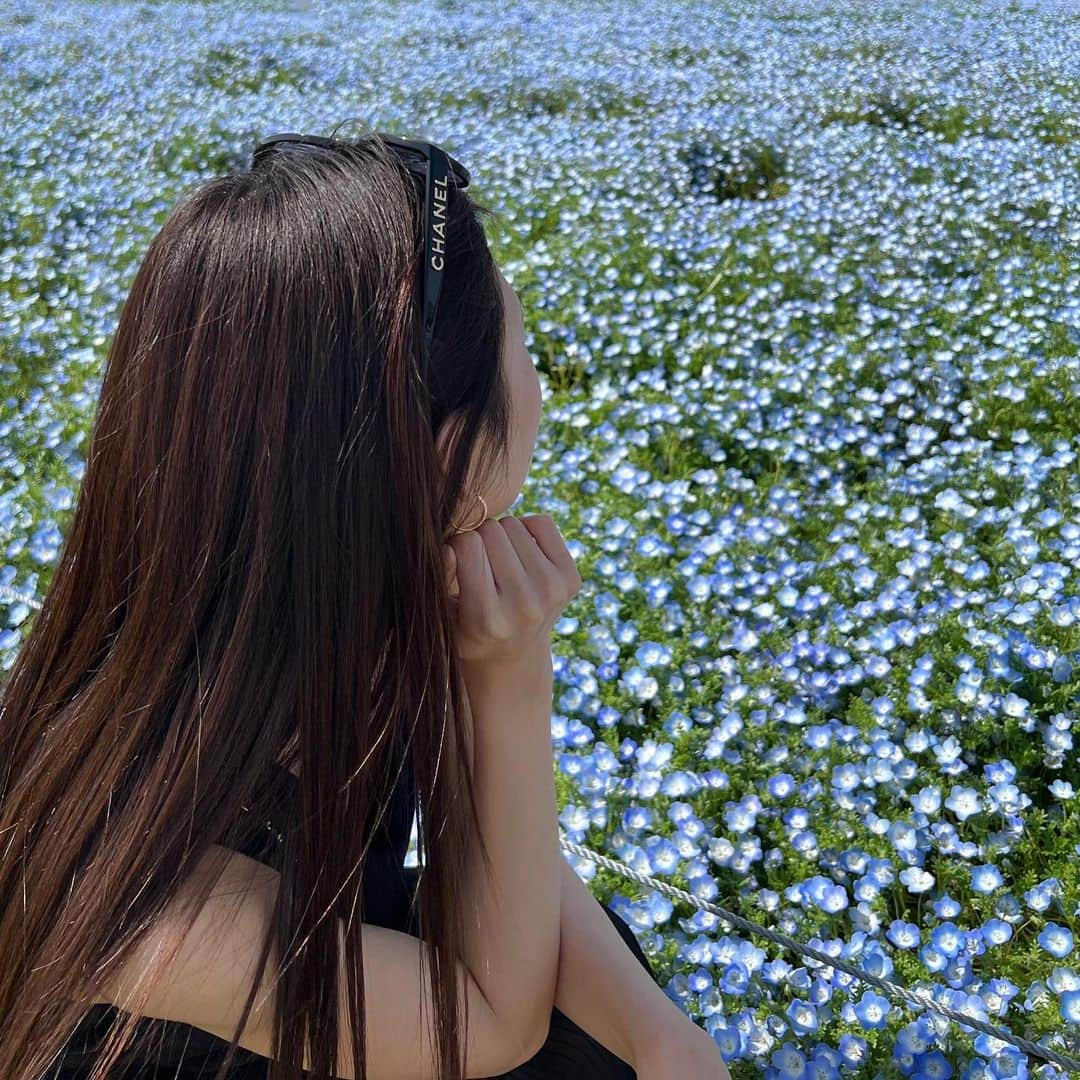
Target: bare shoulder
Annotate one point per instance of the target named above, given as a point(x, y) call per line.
point(206, 983)
point(216, 956)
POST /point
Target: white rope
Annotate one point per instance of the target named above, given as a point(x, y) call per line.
point(895, 990)
point(12, 596)
point(915, 997)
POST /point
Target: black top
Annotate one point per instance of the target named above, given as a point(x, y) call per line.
point(174, 1051)
point(181, 1052)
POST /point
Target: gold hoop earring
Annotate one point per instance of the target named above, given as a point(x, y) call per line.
point(473, 528)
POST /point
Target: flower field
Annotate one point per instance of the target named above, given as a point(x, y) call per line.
point(802, 281)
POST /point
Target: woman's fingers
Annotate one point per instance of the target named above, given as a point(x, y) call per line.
point(506, 567)
point(474, 573)
point(548, 538)
point(509, 590)
point(529, 553)
point(543, 579)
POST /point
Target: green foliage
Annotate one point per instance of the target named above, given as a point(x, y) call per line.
point(755, 171)
point(233, 70)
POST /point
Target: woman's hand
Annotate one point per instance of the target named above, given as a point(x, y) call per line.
point(514, 577)
point(690, 1051)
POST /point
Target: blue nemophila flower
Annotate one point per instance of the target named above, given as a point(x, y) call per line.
point(727, 1036)
point(933, 1065)
point(864, 918)
point(853, 1050)
point(875, 961)
point(781, 785)
point(1015, 706)
point(1062, 979)
point(997, 994)
point(846, 777)
point(917, 880)
point(905, 838)
point(947, 939)
point(985, 879)
point(996, 931)
point(964, 802)
point(659, 908)
point(904, 935)
point(824, 1064)
point(948, 754)
point(802, 1016)
point(967, 686)
point(945, 907)
point(776, 971)
point(927, 800)
point(1040, 896)
point(933, 959)
point(636, 818)
point(735, 978)
point(663, 855)
point(1006, 797)
point(575, 820)
point(912, 1040)
point(739, 817)
point(1056, 940)
point(821, 991)
point(872, 1010)
point(789, 1063)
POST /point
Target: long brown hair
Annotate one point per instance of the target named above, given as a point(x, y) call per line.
point(253, 574)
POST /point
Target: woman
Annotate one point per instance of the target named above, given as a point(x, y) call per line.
point(284, 618)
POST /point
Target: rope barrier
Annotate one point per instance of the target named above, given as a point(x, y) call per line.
point(894, 990)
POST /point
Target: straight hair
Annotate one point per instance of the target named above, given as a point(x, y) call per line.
point(253, 574)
